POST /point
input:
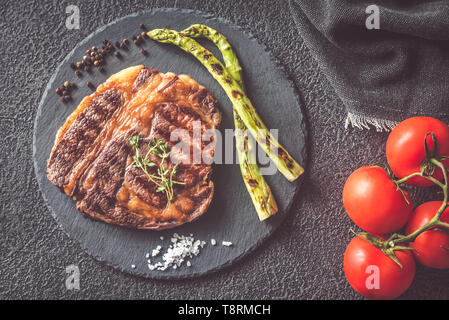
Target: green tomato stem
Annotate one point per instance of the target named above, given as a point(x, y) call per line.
point(396, 239)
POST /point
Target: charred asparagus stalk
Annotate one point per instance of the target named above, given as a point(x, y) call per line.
point(229, 57)
point(280, 157)
point(258, 189)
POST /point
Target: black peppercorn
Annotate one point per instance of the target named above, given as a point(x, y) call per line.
point(58, 91)
point(73, 66)
point(125, 41)
point(142, 26)
point(143, 51)
point(78, 73)
point(117, 54)
point(90, 85)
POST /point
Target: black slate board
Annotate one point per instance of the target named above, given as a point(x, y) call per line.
point(231, 216)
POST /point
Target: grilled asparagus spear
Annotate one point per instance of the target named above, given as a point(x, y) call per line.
point(229, 57)
point(280, 157)
point(258, 189)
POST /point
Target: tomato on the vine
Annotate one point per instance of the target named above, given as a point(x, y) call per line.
point(374, 202)
point(375, 275)
point(432, 246)
point(406, 151)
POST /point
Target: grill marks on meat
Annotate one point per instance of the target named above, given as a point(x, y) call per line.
point(168, 118)
point(91, 159)
point(169, 84)
point(106, 178)
point(143, 76)
point(81, 134)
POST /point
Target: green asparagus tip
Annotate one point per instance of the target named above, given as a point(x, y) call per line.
point(160, 34)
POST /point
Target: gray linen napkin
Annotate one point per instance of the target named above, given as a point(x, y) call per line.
point(382, 75)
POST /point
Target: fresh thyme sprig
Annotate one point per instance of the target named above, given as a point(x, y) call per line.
point(164, 179)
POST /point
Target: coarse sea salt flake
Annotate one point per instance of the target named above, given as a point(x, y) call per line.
point(226, 243)
point(155, 252)
point(182, 247)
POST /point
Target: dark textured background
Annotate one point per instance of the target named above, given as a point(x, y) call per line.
point(303, 260)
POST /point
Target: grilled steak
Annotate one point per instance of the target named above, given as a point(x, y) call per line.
point(92, 159)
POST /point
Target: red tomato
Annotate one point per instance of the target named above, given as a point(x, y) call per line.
point(375, 275)
point(373, 201)
point(405, 147)
point(430, 244)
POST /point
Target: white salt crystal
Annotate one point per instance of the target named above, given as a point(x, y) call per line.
point(182, 247)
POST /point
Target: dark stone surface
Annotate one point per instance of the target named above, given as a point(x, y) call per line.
point(231, 215)
point(302, 260)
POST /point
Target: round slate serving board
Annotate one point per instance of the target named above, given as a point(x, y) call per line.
point(231, 216)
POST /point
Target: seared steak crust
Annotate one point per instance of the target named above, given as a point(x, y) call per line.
point(91, 159)
point(81, 134)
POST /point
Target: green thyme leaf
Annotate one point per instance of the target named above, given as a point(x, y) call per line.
point(164, 181)
point(157, 152)
point(134, 141)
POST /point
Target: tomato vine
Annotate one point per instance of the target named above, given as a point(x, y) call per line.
point(399, 241)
